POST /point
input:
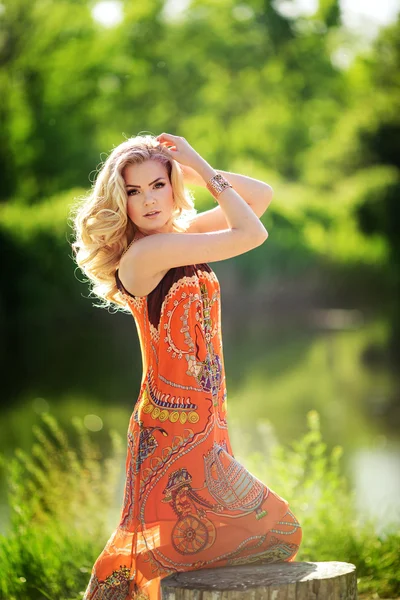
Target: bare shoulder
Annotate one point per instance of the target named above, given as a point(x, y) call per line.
point(135, 279)
point(147, 261)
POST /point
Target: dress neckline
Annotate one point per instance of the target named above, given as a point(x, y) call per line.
point(120, 285)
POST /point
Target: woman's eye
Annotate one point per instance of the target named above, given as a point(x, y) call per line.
point(159, 183)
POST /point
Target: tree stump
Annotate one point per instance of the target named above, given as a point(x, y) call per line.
point(273, 581)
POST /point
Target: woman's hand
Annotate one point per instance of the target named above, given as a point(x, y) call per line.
point(180, 150)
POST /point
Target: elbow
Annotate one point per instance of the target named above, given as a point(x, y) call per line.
point(269, 192)
point(254, 238)
point(264, 201)
point(261, 236)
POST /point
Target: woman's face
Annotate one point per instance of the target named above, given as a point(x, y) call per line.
point(149, 189)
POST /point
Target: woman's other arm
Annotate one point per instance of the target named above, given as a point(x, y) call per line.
point(156, 253)
point(256, 193)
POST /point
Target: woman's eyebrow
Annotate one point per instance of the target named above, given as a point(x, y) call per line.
point(138, 186)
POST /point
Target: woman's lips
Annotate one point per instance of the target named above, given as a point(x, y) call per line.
point(152, 216)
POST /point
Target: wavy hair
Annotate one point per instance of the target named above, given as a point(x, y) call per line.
point(101, 226)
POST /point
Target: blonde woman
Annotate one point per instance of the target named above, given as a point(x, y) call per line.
point(188, 503)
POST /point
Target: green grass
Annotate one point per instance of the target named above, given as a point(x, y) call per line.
point(60, 494)
point(59, 498)
point(333, 529)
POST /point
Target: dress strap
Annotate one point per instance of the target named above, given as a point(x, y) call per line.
point(121, 288)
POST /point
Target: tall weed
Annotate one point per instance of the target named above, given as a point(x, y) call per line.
point(320, 497)
point(60, 495)
point(59, 498)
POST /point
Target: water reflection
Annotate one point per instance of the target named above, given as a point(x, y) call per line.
point(282, 371)
point(376, 476)
point(335, 364)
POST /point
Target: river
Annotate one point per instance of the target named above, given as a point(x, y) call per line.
point(276, 371)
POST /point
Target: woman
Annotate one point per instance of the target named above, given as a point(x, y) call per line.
point(188, 503)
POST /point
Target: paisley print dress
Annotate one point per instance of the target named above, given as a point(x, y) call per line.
point(188, 503)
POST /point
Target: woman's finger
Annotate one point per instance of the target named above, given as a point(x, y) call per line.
point(169, 146)
point(166, 137)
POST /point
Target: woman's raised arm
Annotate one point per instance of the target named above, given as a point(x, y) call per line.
point(156, 253)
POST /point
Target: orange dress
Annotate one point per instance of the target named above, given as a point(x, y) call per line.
point(188, 503)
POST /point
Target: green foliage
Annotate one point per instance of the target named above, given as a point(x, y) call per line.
point(59, 497)
point(27, 224)
point(319, 495)
point(308, 231)
point(318, 492)
point(255, 91)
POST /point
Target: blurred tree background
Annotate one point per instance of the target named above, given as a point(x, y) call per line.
point(298, 100)
point(287, 99)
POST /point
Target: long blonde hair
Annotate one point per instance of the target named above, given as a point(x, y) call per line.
point(101, 226)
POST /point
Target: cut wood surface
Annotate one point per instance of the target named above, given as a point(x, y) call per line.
point(273, 581)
